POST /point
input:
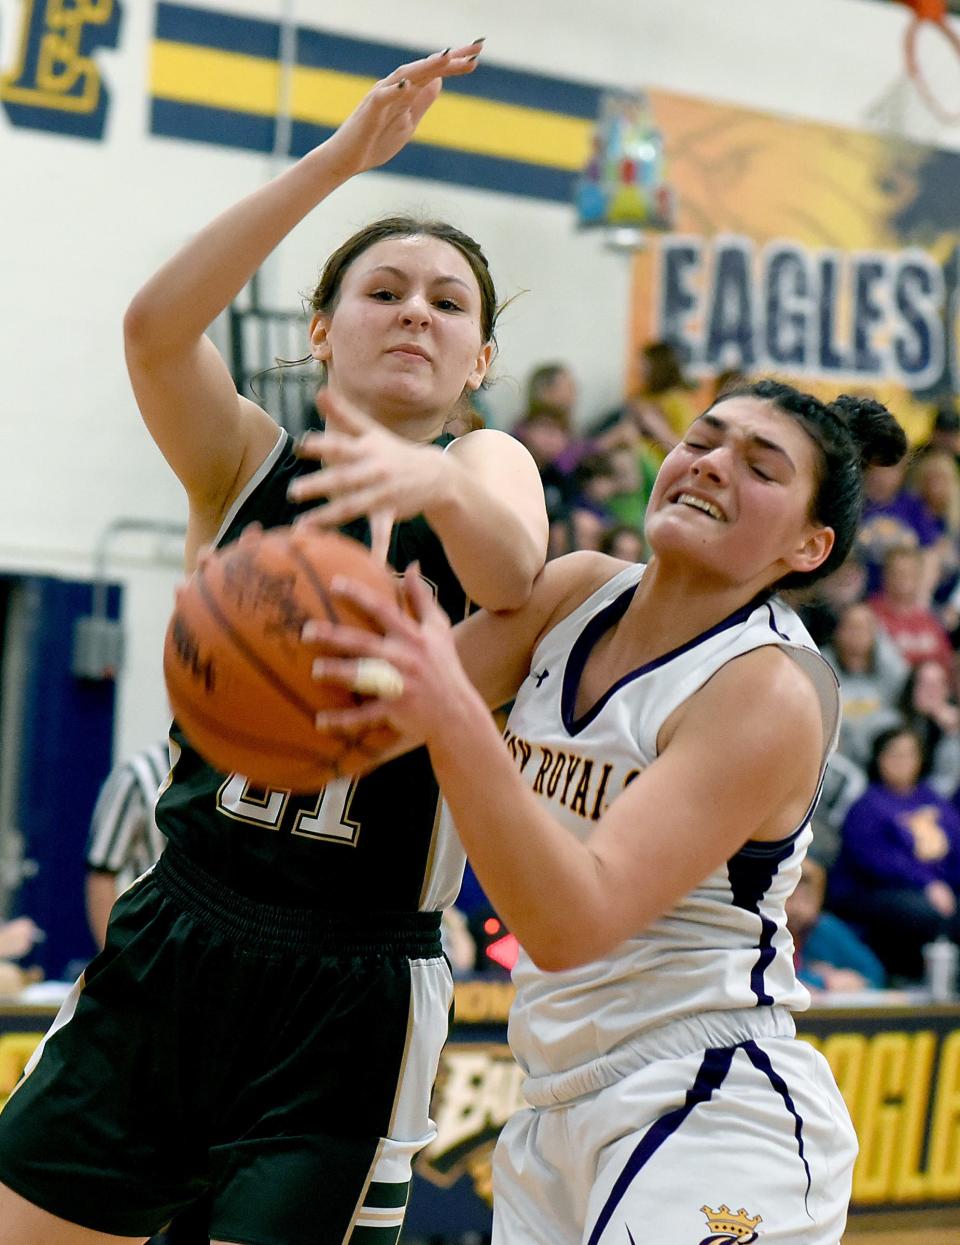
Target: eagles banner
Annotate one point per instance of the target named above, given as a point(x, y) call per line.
point(822, 255)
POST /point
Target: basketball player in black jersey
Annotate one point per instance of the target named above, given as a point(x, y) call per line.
point(263, 1026)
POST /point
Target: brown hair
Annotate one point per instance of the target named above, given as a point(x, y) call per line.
point(324, 297)
point(663, 368)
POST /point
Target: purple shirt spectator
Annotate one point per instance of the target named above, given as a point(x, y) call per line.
point(902, 521)
point(896, 839)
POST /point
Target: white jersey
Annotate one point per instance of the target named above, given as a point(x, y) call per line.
point(723, 950)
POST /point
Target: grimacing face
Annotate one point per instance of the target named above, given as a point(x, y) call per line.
point(404, 336)
point(734, 497)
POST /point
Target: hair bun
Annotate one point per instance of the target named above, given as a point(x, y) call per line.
point(881, 440)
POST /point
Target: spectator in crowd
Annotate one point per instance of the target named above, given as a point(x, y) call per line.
point(615, 434)
point(829, 957)
point(871, 672)
point(900, 607)
point(724, 381)
point(944, 434)
point(124, 840)
point(547, 440)
point(659, 406)
point(623, 541)
point(552, 390)
point(927, 706)
point(595, 481)
point(894, 519)
point(821, 609)
point(580, 527)
point(935, 480)
point(662, 393)
point(898, 871)
point(634, 473)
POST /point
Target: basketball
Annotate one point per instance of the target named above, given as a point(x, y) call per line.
point(238, 675)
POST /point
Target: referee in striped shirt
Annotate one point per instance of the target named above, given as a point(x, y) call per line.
point(124, 840)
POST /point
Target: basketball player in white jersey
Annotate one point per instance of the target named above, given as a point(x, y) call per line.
point(642, 830)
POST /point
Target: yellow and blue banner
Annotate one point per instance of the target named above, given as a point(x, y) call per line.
point(218, 78)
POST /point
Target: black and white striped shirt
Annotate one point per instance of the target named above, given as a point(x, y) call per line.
point(124, 839)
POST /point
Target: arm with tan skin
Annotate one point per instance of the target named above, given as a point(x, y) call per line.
point(739, 760)
point(101, 894)
point(482, 496)
point(212, 437)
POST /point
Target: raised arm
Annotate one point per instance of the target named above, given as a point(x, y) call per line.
point(213, 438)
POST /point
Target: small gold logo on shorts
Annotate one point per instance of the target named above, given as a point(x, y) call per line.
point(729, 1228)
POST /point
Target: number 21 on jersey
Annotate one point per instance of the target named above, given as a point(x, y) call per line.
point(324, 816)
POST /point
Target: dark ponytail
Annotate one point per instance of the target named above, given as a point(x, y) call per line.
point(851, 434)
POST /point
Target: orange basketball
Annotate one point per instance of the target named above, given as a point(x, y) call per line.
point(238, 674)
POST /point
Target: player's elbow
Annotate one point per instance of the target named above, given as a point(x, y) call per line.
point(505, 598)
point(146, 331)
point(511, 587)
point(139, 329)
point(553, 961)
point(562, 952)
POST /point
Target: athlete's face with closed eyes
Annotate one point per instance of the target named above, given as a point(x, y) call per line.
point(734, 498)
point(404, 336)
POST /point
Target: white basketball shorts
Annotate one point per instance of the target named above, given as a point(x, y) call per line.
point(746, 1143)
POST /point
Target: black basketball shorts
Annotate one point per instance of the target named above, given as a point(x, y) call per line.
point(276, 1060)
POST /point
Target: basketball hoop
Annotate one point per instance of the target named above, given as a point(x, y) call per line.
point(931, 13)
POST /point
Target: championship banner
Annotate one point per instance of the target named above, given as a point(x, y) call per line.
point(822, 255)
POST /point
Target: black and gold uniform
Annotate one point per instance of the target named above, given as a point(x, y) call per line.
point(264, 1025)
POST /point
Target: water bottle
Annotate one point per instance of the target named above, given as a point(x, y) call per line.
point(940, 962)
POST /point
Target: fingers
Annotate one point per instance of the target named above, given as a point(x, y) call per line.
point(451, 62)
point(368, 676)
point(340, 639)
point(416, 592)
point(339, 416)
point(331, 447)
point(355, 718)
point(344, 510)
point(249, 536)
point(310, 445)
point(381, 529)
point(386, 616)
point(352, 477)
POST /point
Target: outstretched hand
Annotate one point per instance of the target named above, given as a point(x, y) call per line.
point(367, 470)
point(385, 119)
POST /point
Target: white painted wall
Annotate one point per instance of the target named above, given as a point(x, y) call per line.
point(83, 223)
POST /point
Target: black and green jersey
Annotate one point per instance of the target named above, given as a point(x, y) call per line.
point(378, 843)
